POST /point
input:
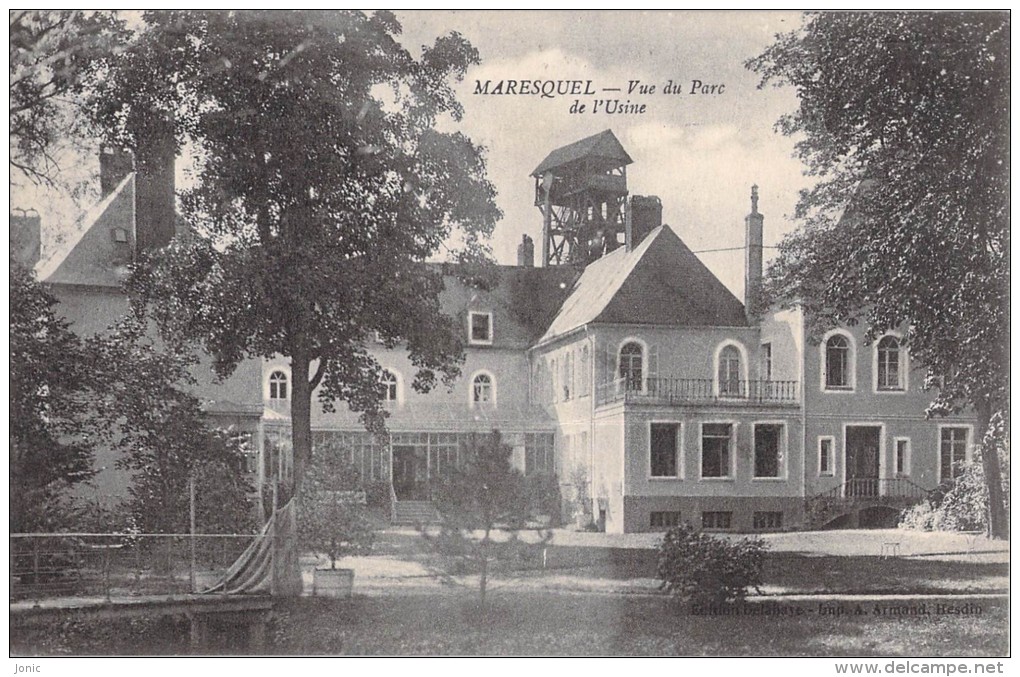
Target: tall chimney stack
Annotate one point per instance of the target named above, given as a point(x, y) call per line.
point(114, 165)
point(155, 193)
point(526, 252)
point(753, 224)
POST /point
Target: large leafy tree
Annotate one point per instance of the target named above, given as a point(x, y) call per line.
point(322, 188)
point(904, 120)
point(52, 431)
point(53, 53)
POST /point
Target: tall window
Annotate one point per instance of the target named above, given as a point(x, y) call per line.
point(825, 456)
point(889, 375)
point(729, 371)
point(767, 457)
point(481, 388)
point(766, 362)
point(953, 452)
point(278, 385)
point(388, 381)
point(664, 456)
point(585, 374)
point(568, 376)
point(631, 365)
point(715, 449)
point(837, 362)
point(902, 456)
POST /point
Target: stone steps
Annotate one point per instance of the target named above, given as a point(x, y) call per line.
point(412, 513)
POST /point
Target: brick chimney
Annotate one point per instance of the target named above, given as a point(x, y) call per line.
point(753, 224)
point(114, 165)
point(645, 216)
point(526, 252)
point(155, 194)
point(26, 236)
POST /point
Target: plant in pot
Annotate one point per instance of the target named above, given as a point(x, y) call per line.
point(332, 520)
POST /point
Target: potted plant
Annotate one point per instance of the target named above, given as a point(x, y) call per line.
point(332, 520)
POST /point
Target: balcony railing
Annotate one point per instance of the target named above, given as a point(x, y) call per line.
point(876, 488)
point(697, 390)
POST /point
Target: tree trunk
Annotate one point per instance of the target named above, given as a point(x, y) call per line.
point(998, 525)
point(485, 569)
point(300, 419)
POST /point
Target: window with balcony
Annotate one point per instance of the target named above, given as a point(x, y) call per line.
point(729, 372)
point(766, 362)
point(632, 365)
point(716, 449)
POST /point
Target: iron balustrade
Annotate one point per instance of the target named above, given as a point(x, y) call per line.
point(669, 390)
point(876, 487)
point(47, 565)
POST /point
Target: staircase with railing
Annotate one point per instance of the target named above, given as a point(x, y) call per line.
point(679, 391)
point(860, 493)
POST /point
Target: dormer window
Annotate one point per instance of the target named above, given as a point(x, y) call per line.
point(480, 328)
point(120, 235)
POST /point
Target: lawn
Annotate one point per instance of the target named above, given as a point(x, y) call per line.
point(586, 598)
point(576, 624)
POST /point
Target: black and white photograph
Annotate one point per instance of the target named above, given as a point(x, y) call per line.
point(549, 333)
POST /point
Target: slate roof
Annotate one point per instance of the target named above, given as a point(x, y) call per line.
point(522, 300)
point(603, 145)
point(91, 256)
point(659, 282)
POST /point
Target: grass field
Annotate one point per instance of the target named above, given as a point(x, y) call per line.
point(565, 624)
point(590, 599)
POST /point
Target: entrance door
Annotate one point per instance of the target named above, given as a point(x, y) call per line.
point(862, 448)
point(410, 468)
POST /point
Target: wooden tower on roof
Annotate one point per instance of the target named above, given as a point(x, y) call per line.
point(581, 190)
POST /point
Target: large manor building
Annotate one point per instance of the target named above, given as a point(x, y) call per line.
point(619, 364)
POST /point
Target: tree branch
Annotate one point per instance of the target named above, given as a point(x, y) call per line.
point(317, 377)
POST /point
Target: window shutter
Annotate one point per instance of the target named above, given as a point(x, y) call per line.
point(653, 362)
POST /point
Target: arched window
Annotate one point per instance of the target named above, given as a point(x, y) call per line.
point(729, 371)
point(837, 362)
point(278, 385)
point(389, 384)
point(631, 365)
point(889, 376)
point(481, 388)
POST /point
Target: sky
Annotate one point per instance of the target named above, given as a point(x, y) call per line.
point(700, 153)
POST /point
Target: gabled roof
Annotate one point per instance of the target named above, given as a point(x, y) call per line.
point(603, 145)
point(91, 256)
point(660, 282)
